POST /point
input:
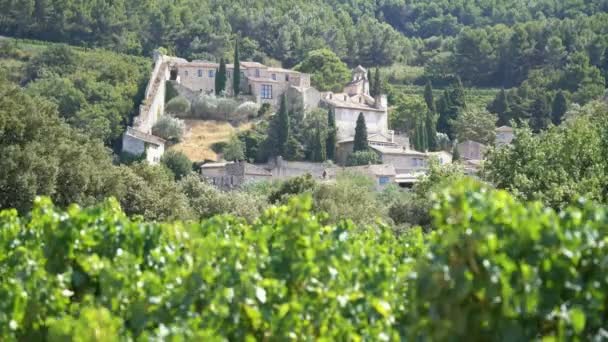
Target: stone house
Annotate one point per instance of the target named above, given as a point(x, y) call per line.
point(354, 100)
point(233, 175)
point(138, 143)
point(471, 150)
point(265, 84)
point(504, 135)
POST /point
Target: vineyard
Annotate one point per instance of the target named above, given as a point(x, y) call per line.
point(492, 269)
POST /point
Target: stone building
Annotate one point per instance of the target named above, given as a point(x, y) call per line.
point(139, 143)
point(265, 84)
point(472, 150)
point(354, 100)
point(234, 174)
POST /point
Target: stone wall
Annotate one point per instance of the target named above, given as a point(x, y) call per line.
point(153, 105)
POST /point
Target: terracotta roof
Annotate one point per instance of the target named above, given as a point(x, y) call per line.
point(149, 138)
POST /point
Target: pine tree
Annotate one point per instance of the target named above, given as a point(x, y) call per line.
point(539, 114)
point(559, 108)
point(236, 73)
point(428, 97)
point(283, 133)
point(330, 142)
point(220, 78)
point(431, 131)
point(360, 143)
point(500, 107)
point(318, 149)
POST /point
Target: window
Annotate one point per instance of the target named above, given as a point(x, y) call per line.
point(274, 77)
point(286, 77)
point(186, 73)
point(383, 180)
point(211, 73)
point(266, 91)
point(257, 72)
point(200, 73)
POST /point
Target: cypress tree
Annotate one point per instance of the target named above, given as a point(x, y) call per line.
point(318, 150)
point(236, 73)
point(457, 95)
point(330, 142)
point(220, 78)
point(431, 132)
point(559, 108)
point(428, 97)
point(500, 107)
point(377, 83)
point(455, 153)
point(360, 143)
point(540, 114)
point(283, 126)
point(444, 106)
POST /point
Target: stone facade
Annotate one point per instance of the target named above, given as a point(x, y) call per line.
point(504, 135)
point(138, 143)
point(471, 150)
point(265, 84)
point(233, 175)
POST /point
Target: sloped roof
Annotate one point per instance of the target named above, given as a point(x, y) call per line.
point(336, 101)
point(504, 129)
point(359, 68)
point(472, 143)
point(145, 137)
point(251, 169)
point(396, 150)
point(253, 65)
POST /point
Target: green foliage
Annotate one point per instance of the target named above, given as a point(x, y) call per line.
point(170, 91)
point(236, 72)
point(428, 97)
point(234, 150)
point(360, 143)
point(169, 128)
point(328, 72)
point(366, 157)
point(559, 107)
point(556, 166)
point(178, 105)
point(516, 267)
point(475, 125)
point(220, 78)
point(500, 107)
point(177, 162)
point(293, 186)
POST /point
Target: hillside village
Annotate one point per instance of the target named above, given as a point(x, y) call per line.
point(400, 163)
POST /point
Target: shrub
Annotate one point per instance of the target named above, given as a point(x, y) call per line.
point(177, 162)
point(169, 128)
point(235, 149)
point(214, 108)
point(246, 110)
point(363, 158)
point(178, 105)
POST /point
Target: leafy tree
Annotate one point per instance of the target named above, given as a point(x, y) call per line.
point(234, 150)
point(365, 157)
point(500, 107)
point(221, 77)
point(475, 125)
point(169, 128)
point(330, 142)
point(178, 105)
point(177, 162)
point(236, 72)
point(327, 71)
point(559, 108)
point(360, 141)
point(293, 186)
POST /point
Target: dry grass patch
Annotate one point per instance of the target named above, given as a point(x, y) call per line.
point(201, 134)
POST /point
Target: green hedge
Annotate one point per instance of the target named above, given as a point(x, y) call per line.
point(494, 269)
